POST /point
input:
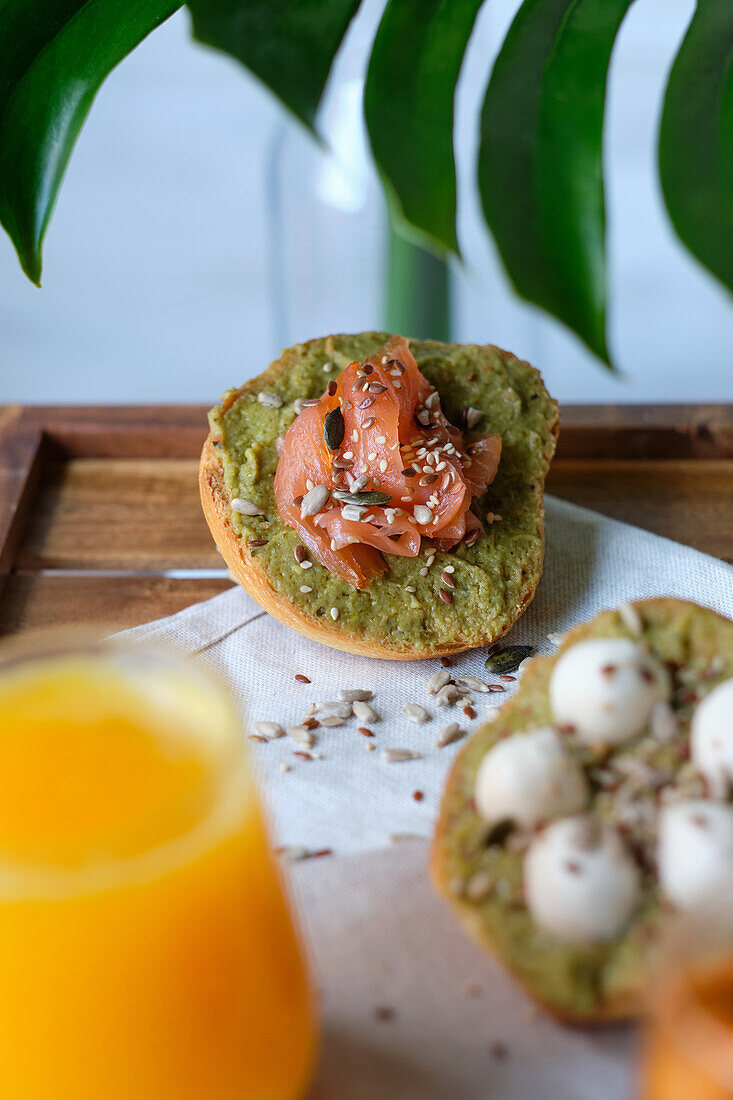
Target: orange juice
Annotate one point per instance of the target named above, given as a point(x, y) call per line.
point(689, 1046)
point(146, 948)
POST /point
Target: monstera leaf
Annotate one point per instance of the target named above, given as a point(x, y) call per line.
point(696, 139)
point(540, 161)
point(54, 55)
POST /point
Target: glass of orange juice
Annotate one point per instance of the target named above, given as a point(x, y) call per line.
point(688, 1045)
point(147, 950)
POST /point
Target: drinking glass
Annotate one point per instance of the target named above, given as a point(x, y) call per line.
point(147, 948)
point(688, 1045)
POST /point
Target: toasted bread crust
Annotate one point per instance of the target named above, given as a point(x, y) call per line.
point(253, 577)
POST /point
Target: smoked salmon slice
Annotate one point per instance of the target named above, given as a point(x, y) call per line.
point(373, 467)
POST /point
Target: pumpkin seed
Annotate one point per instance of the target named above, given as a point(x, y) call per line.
point(508, 659)
point(366, 498)
point(334, 429)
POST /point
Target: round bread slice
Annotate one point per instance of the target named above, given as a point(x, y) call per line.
point(479, 869)
point(401, 615)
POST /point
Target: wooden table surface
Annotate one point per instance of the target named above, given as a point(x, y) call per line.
point(100, 520)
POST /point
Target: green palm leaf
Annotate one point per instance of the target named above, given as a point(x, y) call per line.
point(408, 104)
point(696, 139)
point(54, 55)
point(289, 44)
point(541, 158)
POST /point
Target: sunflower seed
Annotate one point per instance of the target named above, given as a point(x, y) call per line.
point(314, 500)
point(631, 618)
point(352, 695)
point(332, 720)
point(245, 507)
point(398, 756)
point(272, 399)
point(352, 512)
point(479, 886)
point(473, 416)
point(663, 723)
point(447, 695)
point(270, 730)
point(452, 732)
point(337, 709)
point(364, 712)
point(416, 713)
point(438, 680)
point(474, 683)
point(334, 429)
point(508, 659)
point(360, 483)
point(301, 735)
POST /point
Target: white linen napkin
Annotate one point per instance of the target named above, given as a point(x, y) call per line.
point(411, 1009)
point(350, 799)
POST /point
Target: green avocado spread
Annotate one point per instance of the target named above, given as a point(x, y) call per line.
point(495, 578)
point(480, 870)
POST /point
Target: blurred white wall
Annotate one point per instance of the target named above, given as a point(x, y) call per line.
point(158, 274)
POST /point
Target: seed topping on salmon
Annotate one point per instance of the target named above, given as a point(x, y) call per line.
point(373, 467)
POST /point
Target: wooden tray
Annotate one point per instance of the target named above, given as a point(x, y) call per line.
point(100, 520)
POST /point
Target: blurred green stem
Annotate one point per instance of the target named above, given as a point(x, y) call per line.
point(418, 291)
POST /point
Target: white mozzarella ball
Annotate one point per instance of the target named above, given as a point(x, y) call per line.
point(606, 689)
point(711, 738)
point(695, 850)
point(529, 778)
point(580, 881)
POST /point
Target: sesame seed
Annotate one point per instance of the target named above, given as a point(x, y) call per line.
point(305, 588)
point(334, 613)
point(306, 564)
point(383, 465)
point(372, 455)
point(409, 588)
point(327, 367)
